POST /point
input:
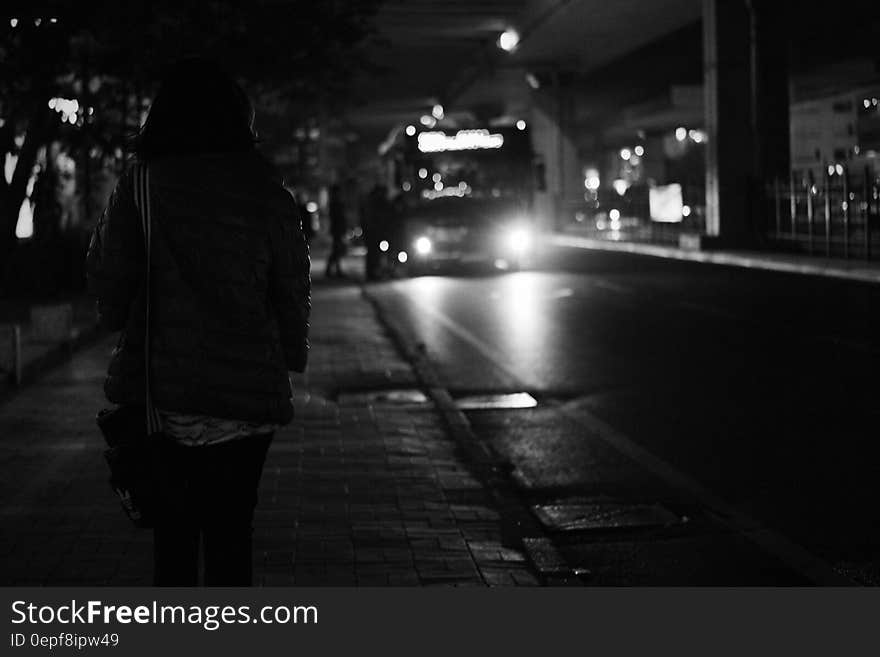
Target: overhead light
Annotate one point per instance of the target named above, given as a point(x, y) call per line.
point(437, 111)
point(520, 125)
point(508, 40)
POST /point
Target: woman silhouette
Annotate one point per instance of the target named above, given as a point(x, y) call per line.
point(229, 308)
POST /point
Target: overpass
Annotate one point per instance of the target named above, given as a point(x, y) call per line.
point(594, 78)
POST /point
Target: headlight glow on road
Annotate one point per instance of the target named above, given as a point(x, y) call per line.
point(423, 246)
point(402, 257)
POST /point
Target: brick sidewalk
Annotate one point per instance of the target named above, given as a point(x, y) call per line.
point(356, 491)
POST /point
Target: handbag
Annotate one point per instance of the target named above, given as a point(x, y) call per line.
point(129, 430)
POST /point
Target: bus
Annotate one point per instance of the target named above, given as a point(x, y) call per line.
point(461, 196)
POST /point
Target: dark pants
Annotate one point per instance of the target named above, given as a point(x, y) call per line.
point(208, 492)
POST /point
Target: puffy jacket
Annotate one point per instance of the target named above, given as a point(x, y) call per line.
point(229, 288)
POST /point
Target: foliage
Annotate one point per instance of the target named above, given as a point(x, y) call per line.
point(296, 57)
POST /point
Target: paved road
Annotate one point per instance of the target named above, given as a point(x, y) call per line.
point(754, 393)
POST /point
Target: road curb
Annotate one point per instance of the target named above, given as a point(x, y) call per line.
point(56, 355)
point(757, 261)
point(484, 460)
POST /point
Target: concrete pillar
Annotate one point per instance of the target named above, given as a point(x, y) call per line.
point(772, 95)
point(564, 181)
point(747, 112)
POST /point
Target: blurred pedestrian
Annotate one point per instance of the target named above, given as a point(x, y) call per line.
point(229, 308)
point(338, 228)
point(375, 225)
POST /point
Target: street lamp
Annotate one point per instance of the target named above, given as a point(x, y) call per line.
point(508, 39)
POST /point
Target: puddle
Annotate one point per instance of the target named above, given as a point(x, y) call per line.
point(398, 396)
point(604, 515)
point(494, 402)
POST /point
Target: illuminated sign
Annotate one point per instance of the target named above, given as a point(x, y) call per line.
point(666, 203)
point(463, 140)
point(445, 192)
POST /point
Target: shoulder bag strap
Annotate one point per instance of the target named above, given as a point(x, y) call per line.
point(142, 201)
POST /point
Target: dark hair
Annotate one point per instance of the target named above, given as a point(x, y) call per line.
point(199, 108)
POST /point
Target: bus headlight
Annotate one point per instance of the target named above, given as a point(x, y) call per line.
point(519, 240)
point(423, 246)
